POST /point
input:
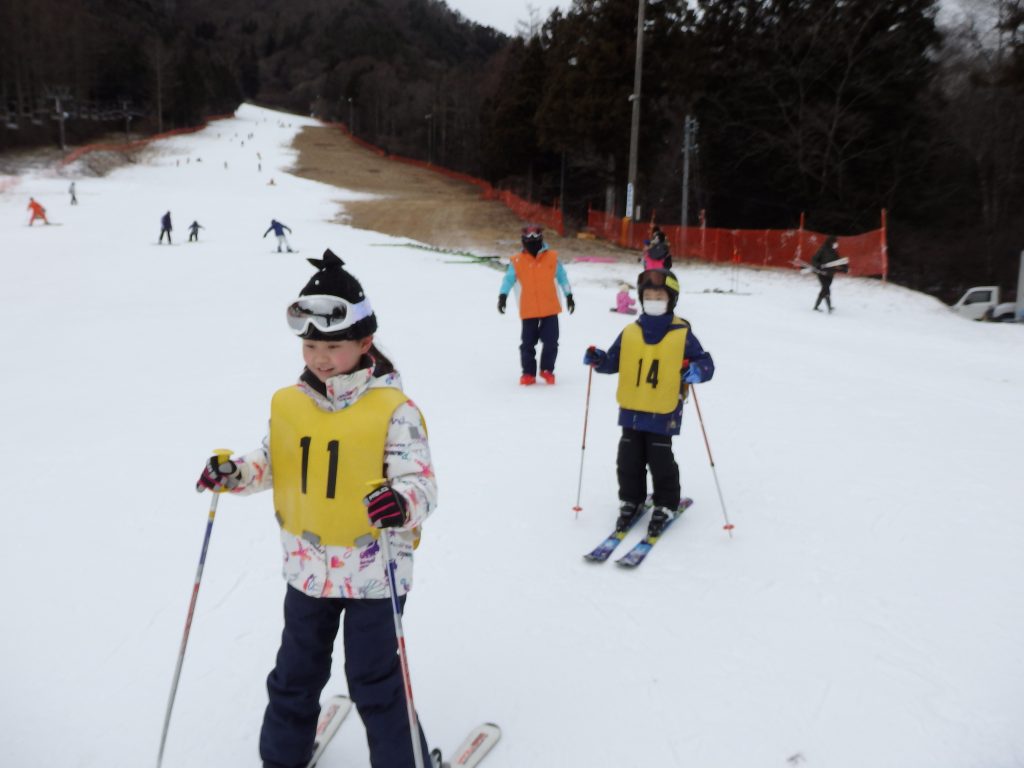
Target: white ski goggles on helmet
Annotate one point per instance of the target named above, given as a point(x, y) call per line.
point(328, 314)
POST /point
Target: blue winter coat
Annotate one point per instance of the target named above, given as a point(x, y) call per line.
point(277, 227)
point(654, 330)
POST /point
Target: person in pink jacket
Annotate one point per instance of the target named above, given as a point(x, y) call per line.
point(624, 303)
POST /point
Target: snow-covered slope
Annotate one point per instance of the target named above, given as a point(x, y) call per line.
point(868, 611)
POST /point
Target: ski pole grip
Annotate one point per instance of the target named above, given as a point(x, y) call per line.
point(375, 484)
point(223, 455)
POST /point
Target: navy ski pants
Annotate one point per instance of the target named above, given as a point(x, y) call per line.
point(372, 668)
point(544, 330)
point(638, 451)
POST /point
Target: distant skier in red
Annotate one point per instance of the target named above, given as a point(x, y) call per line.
point(38, 212)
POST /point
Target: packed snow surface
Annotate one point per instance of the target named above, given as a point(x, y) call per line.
point(867, 611)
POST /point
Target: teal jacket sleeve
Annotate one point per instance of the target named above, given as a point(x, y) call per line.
point(563, 279)
point(509, 280)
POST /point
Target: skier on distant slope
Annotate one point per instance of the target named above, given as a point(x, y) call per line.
point(165, 228)
point(333, 505)
point(278, 229)
point(38, 212)
point(537, 271)
point(193, 231)
point(666, 357)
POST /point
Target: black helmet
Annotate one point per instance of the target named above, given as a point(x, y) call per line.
point(659, 278)
point(331, 279)
point(533, 238)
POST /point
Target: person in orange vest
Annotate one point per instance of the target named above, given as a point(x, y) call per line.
point(38, 212)
point(535, 272)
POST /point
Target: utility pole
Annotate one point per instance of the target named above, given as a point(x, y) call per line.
point(689, 129)
point(634, 131)
point(59, 95)
point(127, 119)
point(430, 137)
point(561, 189)
point(159, 86)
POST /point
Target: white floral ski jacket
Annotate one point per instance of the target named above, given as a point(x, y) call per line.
point(357, 572)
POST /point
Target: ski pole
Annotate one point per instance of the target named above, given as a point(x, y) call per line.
point(396, 609)
point(583, 451)
point(222, 455)
point(728, 526)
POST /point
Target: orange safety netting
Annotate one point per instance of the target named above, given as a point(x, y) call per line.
point(867, 252)
point(550, 217)
point(137, 143)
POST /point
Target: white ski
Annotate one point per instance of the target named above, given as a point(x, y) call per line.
point(806, 268)
point(332, 714)
point(477, 744)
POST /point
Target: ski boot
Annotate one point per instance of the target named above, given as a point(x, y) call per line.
point(660, 517)
point(628, 514)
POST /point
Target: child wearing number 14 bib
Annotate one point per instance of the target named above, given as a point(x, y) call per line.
point(656, 357)
point(348, 461)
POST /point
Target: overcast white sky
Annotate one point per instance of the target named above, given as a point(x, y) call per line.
point(504, 14)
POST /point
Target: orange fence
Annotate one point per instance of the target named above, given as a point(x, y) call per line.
point(867, 252)
point(550, 217)
point(138, 143)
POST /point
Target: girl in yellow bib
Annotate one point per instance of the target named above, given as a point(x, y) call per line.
point(346, 456)
point(655, 357)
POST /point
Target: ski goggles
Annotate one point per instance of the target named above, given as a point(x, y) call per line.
point(533, 233)
point(657, 278)
point(328, 314)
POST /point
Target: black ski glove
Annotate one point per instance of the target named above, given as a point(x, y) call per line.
point(502, 298)
point(570, 303)
point(385, 507)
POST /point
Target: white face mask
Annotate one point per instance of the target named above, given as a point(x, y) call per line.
point(655, 307)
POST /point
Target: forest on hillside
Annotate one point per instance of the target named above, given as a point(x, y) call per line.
point(832, 108)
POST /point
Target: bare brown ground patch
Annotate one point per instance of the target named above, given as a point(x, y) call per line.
point(419, 204)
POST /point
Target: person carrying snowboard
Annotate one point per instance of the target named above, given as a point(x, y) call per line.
point(537, 273)
point(656, 357)
point(824, 267)
point(278, 229)
point(348, 461)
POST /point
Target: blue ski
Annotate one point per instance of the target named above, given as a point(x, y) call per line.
point(603, 551)
point(636, 555)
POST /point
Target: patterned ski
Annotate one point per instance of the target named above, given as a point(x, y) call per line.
point(332, 714)
point(603, 551)
point(636, 555)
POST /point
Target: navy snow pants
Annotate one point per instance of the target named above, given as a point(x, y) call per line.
point(372, 668)
point(544, 330)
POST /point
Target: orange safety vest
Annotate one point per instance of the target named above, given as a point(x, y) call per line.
point(538, 296)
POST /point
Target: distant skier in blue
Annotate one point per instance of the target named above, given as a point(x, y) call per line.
point(278, 229)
